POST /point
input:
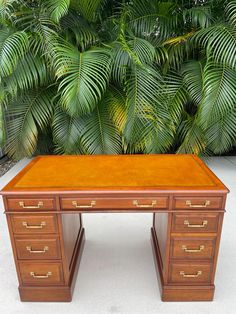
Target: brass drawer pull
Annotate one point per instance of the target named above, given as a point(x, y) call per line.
point(22, 204)
point(29, 248)
point(185, 249)
point(40, 276)
point(75, 204)
point(204, 223)
point(42, 224)
point(189, 203)
point(136, 203)
point(198, 273)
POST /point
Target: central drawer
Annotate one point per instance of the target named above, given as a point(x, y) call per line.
point(70, 203)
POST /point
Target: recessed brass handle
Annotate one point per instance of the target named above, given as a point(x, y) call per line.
point(204, 223)
point(189, 203)
point(22, 204)
point(42, 224)
point(75, 204)
point(29, 248)
point(185, 249)
point(40, 276)
point(136, 203)
point(198, 273)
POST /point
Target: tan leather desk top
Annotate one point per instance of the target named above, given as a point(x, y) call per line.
point(115, 172)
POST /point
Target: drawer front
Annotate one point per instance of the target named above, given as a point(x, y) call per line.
point(29, 224)
point(38, 248)
point(198, 202)
point(30, 204)
point(41, 273)
point(114, 203)
point(195, 222)
point(190, 273)
point(192, 248)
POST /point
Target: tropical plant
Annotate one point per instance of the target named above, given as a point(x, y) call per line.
point(112, 77)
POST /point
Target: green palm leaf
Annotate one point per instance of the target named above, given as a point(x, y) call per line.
point(193, 79)
point(99, 134)
point(221, 134)
point(219, 92)
point(57, 8)
point(220, 42)
point(30, 72)
point(143, 88)
point(26, 115)
point(88, 8)
point(84, 77)
point(13, 46)
point(66, 132)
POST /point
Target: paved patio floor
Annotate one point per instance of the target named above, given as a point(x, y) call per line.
point(117, 274)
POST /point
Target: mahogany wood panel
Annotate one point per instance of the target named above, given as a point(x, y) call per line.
point(31, 224)
point(41, 273)
point(29, 204)
point(190, 272)
point(197, 202)
point(95, 203)
point(192, 248)
point(36, 248)
point(198, 222)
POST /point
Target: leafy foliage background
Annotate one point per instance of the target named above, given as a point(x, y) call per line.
point(112, 77)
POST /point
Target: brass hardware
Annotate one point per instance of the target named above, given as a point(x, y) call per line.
point(136, 203)
point(201, 248)
point(42, 224)
point(29, 248)
point(204, 223)
point(189, 203)
point(75, 204)
point(40, 276)
point(22, 204)
point(198, 273)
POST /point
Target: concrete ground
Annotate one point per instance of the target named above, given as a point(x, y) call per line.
point(117, 274)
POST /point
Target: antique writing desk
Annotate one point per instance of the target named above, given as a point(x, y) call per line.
point(44, 203)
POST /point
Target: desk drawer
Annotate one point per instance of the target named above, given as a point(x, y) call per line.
point(30, 204)
point(198, 202)
point(190, 273)
point(33, 273)
point(38, 248)
point(185, 248)
point(29, 224)
point(195, 222)
point(114, 203)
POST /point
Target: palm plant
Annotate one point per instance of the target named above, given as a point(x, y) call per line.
point(111, 77)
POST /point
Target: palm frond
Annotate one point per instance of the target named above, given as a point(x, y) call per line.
point(221, 134)
point(66, 132)
point(219, 92)
point(30, 72)
point(13, 46)
point(198, 16)
point(57, 8)
point(84, 77)
point(99, 134)
point(88, 8)
point(220, 42)
point(231, 11)
point(143, 87)
point(192, 136)
point(26, 115)
point(193, 79)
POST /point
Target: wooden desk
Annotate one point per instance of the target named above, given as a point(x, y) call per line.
point(44, 203)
